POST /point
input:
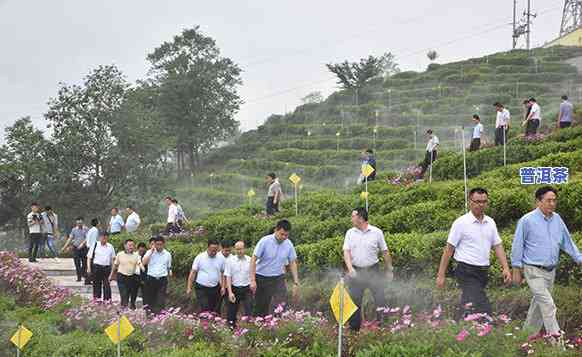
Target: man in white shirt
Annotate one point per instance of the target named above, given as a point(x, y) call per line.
point(431, 152)
point(237, 273)
point(224, 252)
point(501, 124)
point(35, 229)
point(477, 133)
point(534, 117)
point(99, 261)
point(172, 221)
point(363, 243)
point(274, 194)
point(158, 262)
point(470, 241)
point(115, 222)
point(207, 270)
point(133, 221)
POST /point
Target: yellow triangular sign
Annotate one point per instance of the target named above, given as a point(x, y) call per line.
point(251, 193)
point(349, 307)
point(367, 170)
point(295, 179)
point(21, 337)
point(364, 195)
point(125, 329)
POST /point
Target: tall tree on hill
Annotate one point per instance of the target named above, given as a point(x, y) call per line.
point(353, 76)
point(198, 95)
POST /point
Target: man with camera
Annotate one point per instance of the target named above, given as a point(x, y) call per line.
point(35, 227)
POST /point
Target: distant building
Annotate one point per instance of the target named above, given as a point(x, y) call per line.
point(573, 38)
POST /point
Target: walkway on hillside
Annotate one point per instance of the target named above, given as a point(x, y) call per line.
point(62, 273)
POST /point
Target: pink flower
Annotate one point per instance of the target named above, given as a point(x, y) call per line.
point(462, 335)
point(485, 330)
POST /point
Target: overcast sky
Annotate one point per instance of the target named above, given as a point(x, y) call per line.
point(282, 46)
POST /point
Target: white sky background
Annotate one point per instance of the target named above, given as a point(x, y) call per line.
point(282, 46)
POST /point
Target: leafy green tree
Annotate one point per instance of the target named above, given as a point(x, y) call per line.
point(23, 169)
point(198, 95)
point(83, 120)
point(355, 75)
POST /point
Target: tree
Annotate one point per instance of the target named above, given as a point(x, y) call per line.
point(82, 119)
point(432, 55)
point(313, 98)
point(23, 169)
point(355, 75)
point(198, 95)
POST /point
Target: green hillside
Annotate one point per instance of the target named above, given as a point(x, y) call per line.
point(415, 218)
point(400, 107)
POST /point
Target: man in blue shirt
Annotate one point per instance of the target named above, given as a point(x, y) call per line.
point(565, 113)
point(116, 222)
point(477, 132)
point(267, 266)
point(539, 237)
point(159, 267)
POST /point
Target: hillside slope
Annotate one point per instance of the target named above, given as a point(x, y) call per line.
point(321, 142)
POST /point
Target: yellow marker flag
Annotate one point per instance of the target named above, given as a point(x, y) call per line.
point(251, 193)
point(295, 179)
point(367, 170)
point(25, 335)
point(125, 330)
point(364, 195)
point(349, 307)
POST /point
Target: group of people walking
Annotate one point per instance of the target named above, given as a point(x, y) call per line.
point(531, 122)
point(241, 281)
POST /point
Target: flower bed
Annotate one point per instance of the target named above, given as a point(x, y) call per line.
point(28, 284)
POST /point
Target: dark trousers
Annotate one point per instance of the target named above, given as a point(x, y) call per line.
point(272, 208)
point(531, 127)
point(207, 297)
point(34, 245)
point(427, 161)
point(473, 280)
point(172, 228)
point(366, 278)
point(475, 144)
point(267, 293)
point(154, 294)
point(500, 135)
point(101, 281)
point(128, 285)
point(565, 124)
point(80, 260)
point(242, 297)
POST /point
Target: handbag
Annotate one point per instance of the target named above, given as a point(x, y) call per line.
point(91, 276)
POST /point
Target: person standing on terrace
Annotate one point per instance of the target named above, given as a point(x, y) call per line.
point(501, 124)
point(431, 152)
point(565, 114)
point(470, 241)
point(274, 194)
point(477, 133)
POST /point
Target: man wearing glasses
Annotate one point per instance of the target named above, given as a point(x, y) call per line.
point(470, 241)
point(539, 237)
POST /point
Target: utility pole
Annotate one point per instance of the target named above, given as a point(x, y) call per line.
point(528, 24)
point(514, 24)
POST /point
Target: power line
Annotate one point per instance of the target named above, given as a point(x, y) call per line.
point(406, 55)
